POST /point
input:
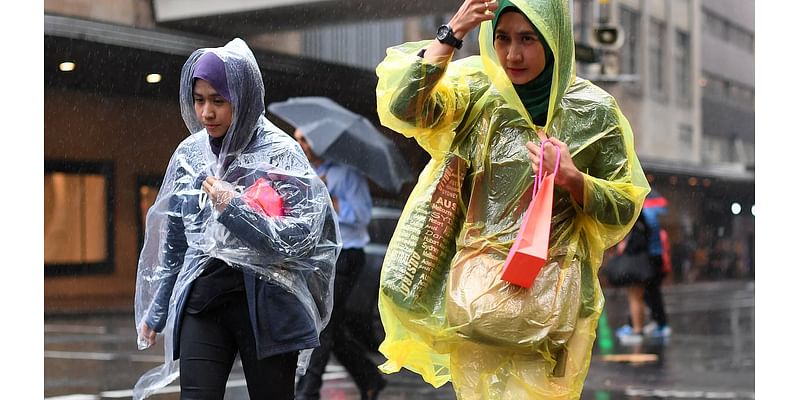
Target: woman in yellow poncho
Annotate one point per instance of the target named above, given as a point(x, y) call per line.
point(446, 312)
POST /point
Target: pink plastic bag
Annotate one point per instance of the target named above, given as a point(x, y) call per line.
point(261, 196)
point(528, 254)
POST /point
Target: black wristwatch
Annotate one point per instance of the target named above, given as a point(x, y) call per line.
point(446, 35)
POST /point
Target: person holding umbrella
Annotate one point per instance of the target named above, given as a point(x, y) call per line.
point(482, 120)
point(239, 245)
point(353, 204)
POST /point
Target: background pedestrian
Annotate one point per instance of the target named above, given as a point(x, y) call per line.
point(349, 192)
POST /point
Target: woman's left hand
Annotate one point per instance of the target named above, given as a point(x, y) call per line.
point(567, 176)
point(220, 197)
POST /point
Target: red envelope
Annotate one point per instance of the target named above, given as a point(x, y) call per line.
point(528, 254)
point(261, 196)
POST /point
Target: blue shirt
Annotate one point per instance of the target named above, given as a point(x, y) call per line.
point(351, 191)
point(654, 239)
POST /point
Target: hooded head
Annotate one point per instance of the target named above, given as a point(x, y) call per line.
point(525, 56)
point(233, 72)
point(552, 23)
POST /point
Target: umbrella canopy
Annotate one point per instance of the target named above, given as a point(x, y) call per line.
point(338, 134)
point(655, 200)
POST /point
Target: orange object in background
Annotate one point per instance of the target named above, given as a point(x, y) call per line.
point(261, 196)
point(528, 254)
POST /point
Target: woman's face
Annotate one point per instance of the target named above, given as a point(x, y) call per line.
point(518, 48)
point(213, 111)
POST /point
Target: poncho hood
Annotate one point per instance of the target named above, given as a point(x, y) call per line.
point(245, 88)
point(552, 20)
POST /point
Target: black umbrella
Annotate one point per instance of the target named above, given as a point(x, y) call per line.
point(341, 135)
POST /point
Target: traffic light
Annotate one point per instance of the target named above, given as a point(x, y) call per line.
point(608, 36)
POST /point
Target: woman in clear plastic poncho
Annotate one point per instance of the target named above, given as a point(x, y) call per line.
point(446, 312)
point(240, 245)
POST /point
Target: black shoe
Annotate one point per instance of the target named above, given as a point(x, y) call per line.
point(372, 393)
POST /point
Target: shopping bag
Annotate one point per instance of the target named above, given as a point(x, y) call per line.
point(629, 269)
point(528, 254)
point(262, 197)
point(418, 257)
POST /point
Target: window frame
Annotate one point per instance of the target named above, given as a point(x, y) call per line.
point(682, 57)
point(105, 168)
point(657, 71)
point(154, 181)
point(630, 20)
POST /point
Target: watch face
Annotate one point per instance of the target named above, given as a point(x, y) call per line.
point(441, 33)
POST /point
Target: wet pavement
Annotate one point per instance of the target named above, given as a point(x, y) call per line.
point(710, 355)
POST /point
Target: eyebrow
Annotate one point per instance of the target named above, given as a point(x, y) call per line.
point(525, 32)
point(214, 94)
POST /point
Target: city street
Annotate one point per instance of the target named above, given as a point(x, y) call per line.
point(710, 355)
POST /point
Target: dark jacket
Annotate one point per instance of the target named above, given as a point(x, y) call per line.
point(280, 322)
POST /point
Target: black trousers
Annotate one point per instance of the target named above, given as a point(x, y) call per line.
point(652, 292)
point(209, 342)
point(337, 337)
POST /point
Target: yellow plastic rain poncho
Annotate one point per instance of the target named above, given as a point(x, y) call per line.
point(446, 313)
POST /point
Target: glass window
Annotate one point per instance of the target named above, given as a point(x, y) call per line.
point(629, 20)
point(78, 217)
point(682, 66)
point(685, 136)
point(656, 45)
point(713, 25)
point(715, 86)
point(742, 94)
point(728, 31)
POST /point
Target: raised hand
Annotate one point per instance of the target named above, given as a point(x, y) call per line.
point(470, 15)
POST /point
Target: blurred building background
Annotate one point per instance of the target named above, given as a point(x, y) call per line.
point(682, 71)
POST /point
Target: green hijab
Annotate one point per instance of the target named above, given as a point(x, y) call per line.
point(535, 95)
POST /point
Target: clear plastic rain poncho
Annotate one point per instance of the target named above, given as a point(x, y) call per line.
point(296, 250)
point(447, 314)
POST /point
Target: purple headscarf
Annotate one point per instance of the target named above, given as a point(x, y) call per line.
point(210, 68)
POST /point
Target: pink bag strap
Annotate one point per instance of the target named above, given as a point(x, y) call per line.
point(537, 183)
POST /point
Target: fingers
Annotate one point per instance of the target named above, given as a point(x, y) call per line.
point(533, 155)
point(544, 158)
point(532, 147)
point(150, 337)
point(486, 9)
point(148, 334)
point(561, 145)
point(549, 150)
point(208, 184)
point(219, 191)
point(471, 14)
